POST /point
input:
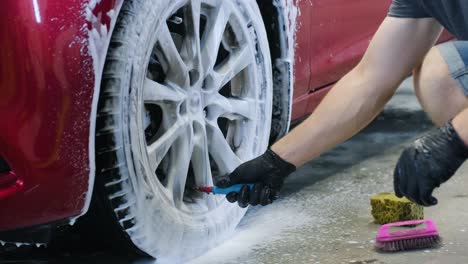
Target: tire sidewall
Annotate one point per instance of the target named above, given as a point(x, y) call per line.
point(161, 225)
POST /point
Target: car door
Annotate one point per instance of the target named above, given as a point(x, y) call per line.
point(340, 32)
point(302, 52)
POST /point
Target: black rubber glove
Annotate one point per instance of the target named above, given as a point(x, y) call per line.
point(427, 163)
point(267, 172)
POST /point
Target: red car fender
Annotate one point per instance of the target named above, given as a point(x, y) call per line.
point(52, 56)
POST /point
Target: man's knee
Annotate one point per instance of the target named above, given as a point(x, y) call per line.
point(440, 95)
point(432, 77)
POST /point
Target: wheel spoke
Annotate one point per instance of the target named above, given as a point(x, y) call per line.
point(177, 70)
point(155, 92)
point(240, 109)
point(213, 35)
point(201, 164)
point(181, 155)
point(237, 61)
point(160, 147)
point(193, 32)
point(224, 157)
point(231, 108)
point(201, 160)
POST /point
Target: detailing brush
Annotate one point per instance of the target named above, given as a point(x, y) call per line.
point(415, 238)
point(218, 190)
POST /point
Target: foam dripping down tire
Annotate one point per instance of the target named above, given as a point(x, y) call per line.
point(186, 96)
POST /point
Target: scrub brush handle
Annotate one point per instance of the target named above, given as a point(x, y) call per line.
point(430, 226)
point(234, 188)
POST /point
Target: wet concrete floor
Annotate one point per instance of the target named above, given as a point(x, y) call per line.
point(324, 214)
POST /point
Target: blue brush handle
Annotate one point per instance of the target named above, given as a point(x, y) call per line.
point(235, 188)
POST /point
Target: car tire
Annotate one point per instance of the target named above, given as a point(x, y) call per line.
point(186, 96)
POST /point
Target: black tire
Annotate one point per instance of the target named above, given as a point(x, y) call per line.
point(117, 195)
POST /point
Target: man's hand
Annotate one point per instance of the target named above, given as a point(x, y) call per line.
point(427, 163)
point(267, 172)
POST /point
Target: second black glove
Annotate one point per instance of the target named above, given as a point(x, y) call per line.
point(427, 163)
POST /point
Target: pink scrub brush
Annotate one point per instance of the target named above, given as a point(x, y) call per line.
point(416, 238)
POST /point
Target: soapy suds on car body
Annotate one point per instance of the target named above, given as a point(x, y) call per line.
point(94, 45)
point(97, 43)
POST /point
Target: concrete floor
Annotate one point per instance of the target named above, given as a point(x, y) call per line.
point(324, 215)
point(329, 221)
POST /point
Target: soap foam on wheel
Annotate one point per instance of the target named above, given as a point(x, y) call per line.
point(178, 115)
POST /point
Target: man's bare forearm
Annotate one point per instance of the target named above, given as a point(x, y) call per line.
point(350, 106)
point(398, 47)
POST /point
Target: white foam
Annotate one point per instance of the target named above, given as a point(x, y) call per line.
point(256, 229)
point(97, 44)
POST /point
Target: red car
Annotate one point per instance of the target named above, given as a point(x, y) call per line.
point(125, 106)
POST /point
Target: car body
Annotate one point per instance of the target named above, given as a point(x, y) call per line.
point(53, 54)
point(48, 85)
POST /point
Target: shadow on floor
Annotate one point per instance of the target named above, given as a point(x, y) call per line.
point(392, 127)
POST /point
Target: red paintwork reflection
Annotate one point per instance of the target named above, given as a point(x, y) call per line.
point(340, 32)
point(9, 184)
point(302, 51)
point(46, 90)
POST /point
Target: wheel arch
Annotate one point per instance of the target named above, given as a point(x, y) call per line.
point(47, 92)
point(279, 18)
